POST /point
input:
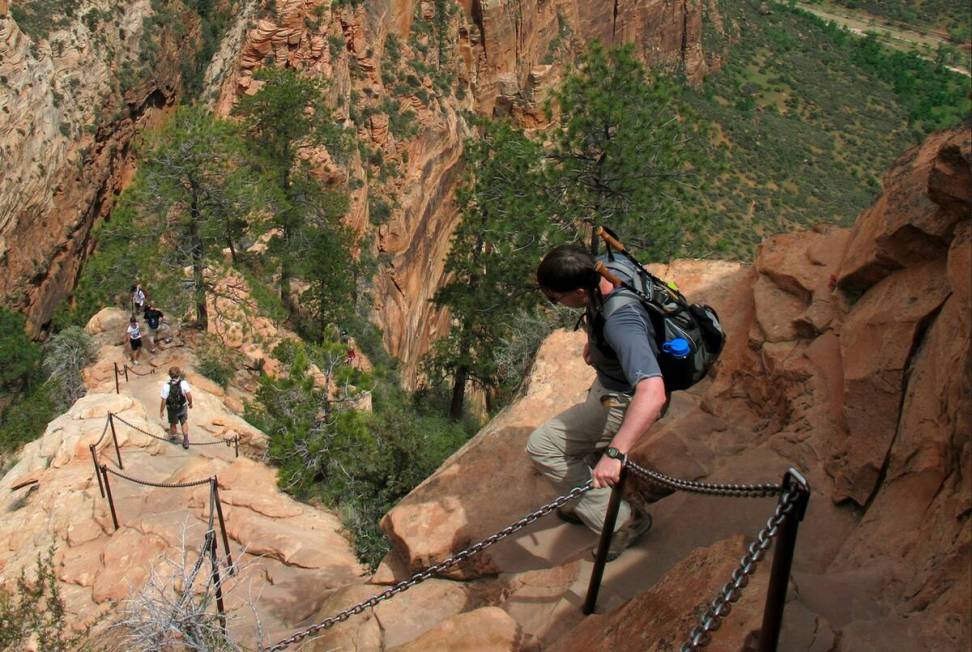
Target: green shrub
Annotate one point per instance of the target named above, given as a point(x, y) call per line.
point(360, 463)
point(33, 610)
point(216, 362)
point(19, 356)
point(65, 355)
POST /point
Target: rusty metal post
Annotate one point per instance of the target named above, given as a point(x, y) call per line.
point(117, 390)
point(125, 367)
point(607, 533)
point(114, 438)
point(785, 545)
point(222, 526)
point(111, 502)
point(236, 443)
point(217, 583)
point(94, 459)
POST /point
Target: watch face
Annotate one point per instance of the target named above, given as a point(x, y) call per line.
point(613, 453)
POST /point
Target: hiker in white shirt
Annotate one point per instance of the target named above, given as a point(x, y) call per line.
point(138, 299)
point(134, 340)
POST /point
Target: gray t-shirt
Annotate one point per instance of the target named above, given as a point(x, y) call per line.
point(629, 334)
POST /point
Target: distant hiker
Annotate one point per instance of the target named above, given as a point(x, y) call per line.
point(176, 400)
point(350, 356)
point(138, 299)
point(134, 340)
point(154, 319)
point(587, 440)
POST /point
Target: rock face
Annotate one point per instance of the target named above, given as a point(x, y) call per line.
point(497, 65)
point(849, 358)
point(65, 134)
point(68, 125)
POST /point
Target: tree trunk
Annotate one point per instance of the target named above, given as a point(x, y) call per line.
point(458, 394)
point(196, 253)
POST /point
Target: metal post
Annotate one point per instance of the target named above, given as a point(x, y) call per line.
point(117, 391)
point(217, 583)
point(114, 438)
point(782, 561)
point(607, 533)
point(125, 367)
point(236, 443)
point(94, 459)
point(111, 502)
point(222, 526)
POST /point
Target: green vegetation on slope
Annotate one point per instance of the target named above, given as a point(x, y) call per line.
point(359, 463)
point(36, 382)
point(32, 611)
point(808, 117)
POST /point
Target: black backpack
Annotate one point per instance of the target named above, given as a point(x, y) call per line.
point(672, 316)
point(176, 399)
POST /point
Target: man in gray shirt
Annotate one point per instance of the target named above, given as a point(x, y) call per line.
point(625, 400)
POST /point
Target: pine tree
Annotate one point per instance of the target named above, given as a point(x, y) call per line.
point(195, 193)
point(286, 114)
point(493, 255)
point(624, 152)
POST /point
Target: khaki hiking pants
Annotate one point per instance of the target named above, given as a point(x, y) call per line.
point(566, 448)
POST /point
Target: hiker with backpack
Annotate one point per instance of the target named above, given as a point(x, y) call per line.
point(176, 401)
point(154, 319)
point(628, 344)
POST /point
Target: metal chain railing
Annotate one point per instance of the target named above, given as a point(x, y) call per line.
point(720, 607)
point(430, 571)
point(104, 431)
point(161, 485)
point(147, 372)
point(677, 484)
point(232, 441)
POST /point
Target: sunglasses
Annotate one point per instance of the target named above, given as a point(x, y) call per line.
point(553, 297)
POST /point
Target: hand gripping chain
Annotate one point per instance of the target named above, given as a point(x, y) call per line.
point(677, 484)
point(720, 607)
point(425, 574)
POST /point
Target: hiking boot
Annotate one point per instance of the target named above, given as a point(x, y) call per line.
point(569, 516)
point(627, 535)
point(185, 442)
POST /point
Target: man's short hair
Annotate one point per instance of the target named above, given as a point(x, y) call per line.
point(566, 268)
point(174, 372)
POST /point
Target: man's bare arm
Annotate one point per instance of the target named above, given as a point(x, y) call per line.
point(646, 406)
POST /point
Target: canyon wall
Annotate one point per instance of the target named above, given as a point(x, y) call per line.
point(494, 58)
point(72, 97)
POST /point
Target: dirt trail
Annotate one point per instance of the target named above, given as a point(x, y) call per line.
point(890, 34)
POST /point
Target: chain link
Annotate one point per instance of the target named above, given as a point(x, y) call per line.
point(709, 489)
point(226, 442)
point(720, 607)
point(134, 371)
point(430, 571)
point(160, 485)
point(103, 432)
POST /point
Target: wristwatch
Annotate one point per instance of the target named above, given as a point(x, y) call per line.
point(614, 453)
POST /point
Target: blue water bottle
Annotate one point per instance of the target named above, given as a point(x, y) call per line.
point(677, 348)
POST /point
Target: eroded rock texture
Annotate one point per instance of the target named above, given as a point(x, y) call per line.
point(848, 358)
point(71, 102)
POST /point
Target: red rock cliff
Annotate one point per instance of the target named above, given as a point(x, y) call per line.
point(504, 55)
point(850, 358)
point(71, 104)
